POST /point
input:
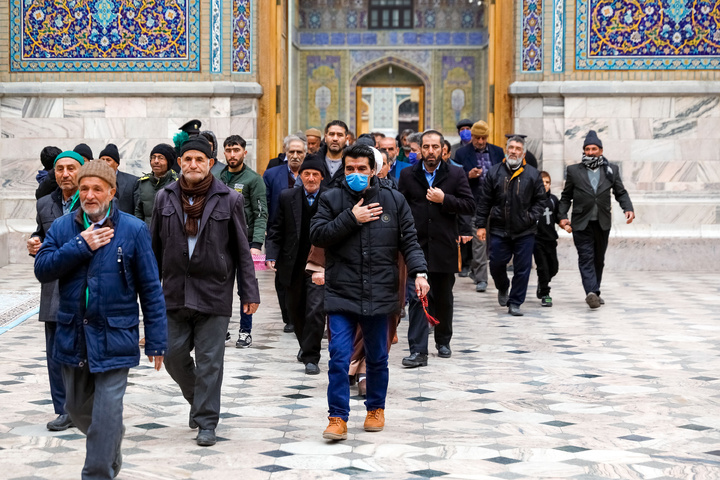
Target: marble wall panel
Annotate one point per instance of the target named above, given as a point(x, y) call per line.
point(708, 172)
point(696, 107)
point(575, 107)
point(612, 107)
point(103, 128)
point(42, 127)
point(125, 107)
point(221, 128)
point(243, 107)
point(84, 107)
point(674, 128)
point(654, 150)
point(651, 107)
point(245, 127)
point(220, 107)
point(698, 149)
point(675, 171)
point(181, 107)
point(140, 127)
point(708, 127)
point(18, 208)
point(642, 128)
point(23, 107)
point(528, 108)
point(638, 172)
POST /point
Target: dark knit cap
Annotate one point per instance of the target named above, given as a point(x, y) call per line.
point(592, 139)
point(312, 163)
point(84, 150)
point(197, 143)
point(366, 139)
point(48, 156)
point(165, 150)
point(465, 122)
point(111, 151)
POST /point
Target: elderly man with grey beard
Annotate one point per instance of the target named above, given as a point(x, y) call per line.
point(199, 236)
point(103, 261)
point(511, 200)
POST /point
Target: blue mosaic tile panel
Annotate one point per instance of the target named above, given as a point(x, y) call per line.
point(649, 35)
point(216, 36)
point(391, 38)
point(104, 35)
point(558, 47)
point(241, 36)
point(532, 47)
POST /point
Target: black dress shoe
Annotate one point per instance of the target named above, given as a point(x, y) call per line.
point(299, 356)
point(503, 297)
point(288, 328)
point(415, 360)
point(514, 310)
point(192, 423)
point(62, 422)
point(206, 438)
point(311, 369)
point(444, 351)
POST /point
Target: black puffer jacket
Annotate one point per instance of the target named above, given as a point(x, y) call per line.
point(361, 260)
point(513, 201)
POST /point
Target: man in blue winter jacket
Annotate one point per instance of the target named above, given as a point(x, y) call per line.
point(103, 260)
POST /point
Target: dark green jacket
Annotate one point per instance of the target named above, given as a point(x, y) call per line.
point(252, 187)
point(147, 188)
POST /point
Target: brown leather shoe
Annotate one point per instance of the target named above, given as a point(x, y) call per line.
point(336, 430)
point(375, 420)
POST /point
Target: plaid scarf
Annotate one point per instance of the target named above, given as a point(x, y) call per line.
point(194, 211)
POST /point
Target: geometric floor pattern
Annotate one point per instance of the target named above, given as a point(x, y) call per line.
point(630, 391)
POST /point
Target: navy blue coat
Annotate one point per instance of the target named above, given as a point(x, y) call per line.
point(276, 180)
point(466, 157)
point(102, 329)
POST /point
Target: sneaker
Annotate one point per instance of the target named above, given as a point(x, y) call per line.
point(593, 300)
point(375, 420)
point(62, 422)
point(336, 430)
point(546, 301)
point(464, 273)
point(480, 287)
point(228, 337)
point(503, 297)
point(244, 340)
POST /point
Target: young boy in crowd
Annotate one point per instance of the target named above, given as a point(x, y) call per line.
point(546, 244)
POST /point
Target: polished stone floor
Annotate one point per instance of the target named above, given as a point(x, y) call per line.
point(630, 391)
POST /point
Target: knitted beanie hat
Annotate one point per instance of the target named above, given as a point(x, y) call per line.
point(99, 169)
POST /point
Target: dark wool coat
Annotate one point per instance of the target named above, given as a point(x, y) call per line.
point(125, 194)
point(98, 320)
point(361, 260)
point(49, 208)
point(283, 238)
point(512, 201)
point(466, 157)
point(204, 282)
point(579, 192)
point(437, 223)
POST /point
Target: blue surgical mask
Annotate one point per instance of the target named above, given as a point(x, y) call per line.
point(357, 181)
point(465, 135)
point(412, 158)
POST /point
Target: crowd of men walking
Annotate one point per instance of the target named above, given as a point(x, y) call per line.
point(353, 230)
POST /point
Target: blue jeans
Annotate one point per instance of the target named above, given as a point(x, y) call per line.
point(502, 249)
point(245, 322)
point(342, 333)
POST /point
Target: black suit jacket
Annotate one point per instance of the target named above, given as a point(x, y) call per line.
point(125, 194)
point(581, 195)
point(465, 156)
point(283, 238)
point(437, 224)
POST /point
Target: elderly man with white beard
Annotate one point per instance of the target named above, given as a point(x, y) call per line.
point(511, 200)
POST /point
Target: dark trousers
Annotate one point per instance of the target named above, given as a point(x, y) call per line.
point(342, 334)
point(547, 264)
point(591, 244)
point(200, 380)
point(245, 322)
point(305, 306)
point(520, 250)
point(57, 387)
point(95, 404)
point(440, 306)
point(280, 290)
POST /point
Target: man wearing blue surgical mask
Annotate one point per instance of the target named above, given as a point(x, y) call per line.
point(463, 128)
point(363, 226)
point(414, 142)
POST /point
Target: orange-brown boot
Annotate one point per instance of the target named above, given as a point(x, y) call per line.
point(375, 420)
point(336, 430)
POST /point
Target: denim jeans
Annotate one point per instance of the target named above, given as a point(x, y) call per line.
point(245, 322)
point(342, 333)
